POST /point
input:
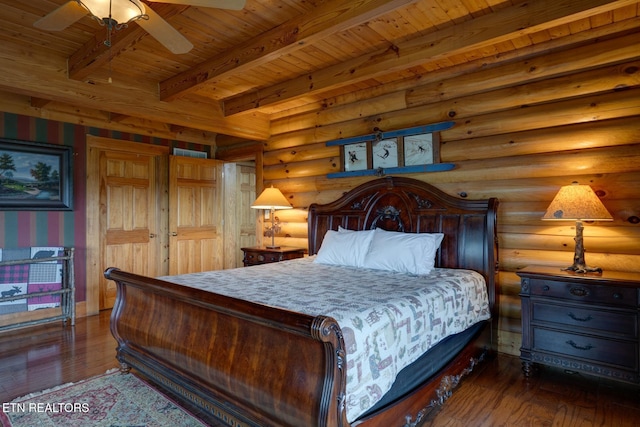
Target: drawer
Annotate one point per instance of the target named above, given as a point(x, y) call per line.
point(255, 256)
point(269, 257)
point(586, 347)
point(250, 257)
point(618, 323)
point(585, 292)
point(292, 255)
point(259, 258)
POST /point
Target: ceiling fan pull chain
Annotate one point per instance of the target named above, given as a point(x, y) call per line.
point(108, 43)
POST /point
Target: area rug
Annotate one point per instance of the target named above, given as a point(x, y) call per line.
point(112, 399)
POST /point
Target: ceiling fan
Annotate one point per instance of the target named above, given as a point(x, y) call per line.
point(115, 14)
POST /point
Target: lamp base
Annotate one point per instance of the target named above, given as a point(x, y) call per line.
point(272, 247)
point(579, 264)
point(583, 269)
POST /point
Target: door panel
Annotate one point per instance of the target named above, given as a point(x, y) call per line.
point(240, 226)
point(128, 208)
point(195, 215)
point(246, 179)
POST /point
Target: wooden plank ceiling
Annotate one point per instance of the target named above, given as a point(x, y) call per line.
point(271, 59)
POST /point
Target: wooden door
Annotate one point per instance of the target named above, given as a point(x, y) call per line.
point(195, 215)
point(246, 180)
point(123, 204)
point(129, 216)
point(240, 220)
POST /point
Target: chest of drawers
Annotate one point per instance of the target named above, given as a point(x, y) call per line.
point(587, 323)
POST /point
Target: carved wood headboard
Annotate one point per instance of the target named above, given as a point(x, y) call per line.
point(412, 206)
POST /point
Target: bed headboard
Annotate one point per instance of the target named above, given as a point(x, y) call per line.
point(412, 206)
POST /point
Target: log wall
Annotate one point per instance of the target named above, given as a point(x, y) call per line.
point(526, 124)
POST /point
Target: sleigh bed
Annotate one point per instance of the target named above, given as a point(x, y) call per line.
point(250, 362)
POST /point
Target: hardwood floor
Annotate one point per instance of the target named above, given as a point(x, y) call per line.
point(495, 394)
point(498, 394)
point(40, 357)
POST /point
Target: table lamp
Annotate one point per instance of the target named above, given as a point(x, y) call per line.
point(579, 203)
point(272, 199)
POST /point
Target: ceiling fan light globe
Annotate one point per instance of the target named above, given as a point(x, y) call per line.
point(118, 11)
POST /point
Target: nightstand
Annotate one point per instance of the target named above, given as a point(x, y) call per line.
point(581, 322)
point(260, 255)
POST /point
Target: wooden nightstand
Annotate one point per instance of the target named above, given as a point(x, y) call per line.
point(259, 255)
point(581, 322)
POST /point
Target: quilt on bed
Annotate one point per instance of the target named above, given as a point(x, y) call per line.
point(388, 319)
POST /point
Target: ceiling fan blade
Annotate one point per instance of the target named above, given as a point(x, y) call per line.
point(61, 17)
point(162, 31)
point(217, 4)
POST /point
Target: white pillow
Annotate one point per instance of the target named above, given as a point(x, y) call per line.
point(348, 249)
point(413, 253)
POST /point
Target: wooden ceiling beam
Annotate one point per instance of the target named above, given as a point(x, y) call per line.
point(95, 54)
point(38, 102)
point(331, 17)
point(500, 26)
point(12, 102)
point(117, 118)
point(37, 74)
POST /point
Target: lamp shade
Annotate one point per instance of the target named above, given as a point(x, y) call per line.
point(577, 202)
point(271, 198)
point(121, 11)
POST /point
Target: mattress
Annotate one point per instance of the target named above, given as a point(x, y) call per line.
point(388, 319)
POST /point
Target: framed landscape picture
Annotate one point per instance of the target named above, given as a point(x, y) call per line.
point(35, 176)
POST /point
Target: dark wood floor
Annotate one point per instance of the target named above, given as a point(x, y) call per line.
point(495, 394)
point(40, 357)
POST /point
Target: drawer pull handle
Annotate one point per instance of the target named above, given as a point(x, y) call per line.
point(545, 288)
point(617, 295)
point(579, 292)
point(579, 319)
point(577, 347)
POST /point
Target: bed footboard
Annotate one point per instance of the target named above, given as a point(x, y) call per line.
point(240, 363)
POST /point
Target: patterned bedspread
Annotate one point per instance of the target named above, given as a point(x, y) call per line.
point(388, 319)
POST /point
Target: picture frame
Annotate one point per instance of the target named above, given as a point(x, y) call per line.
point(35, 176)
point(420, 149)
point(355, 156)
point(385, 153)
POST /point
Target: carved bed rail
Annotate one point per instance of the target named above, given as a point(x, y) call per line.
point(277, 367)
